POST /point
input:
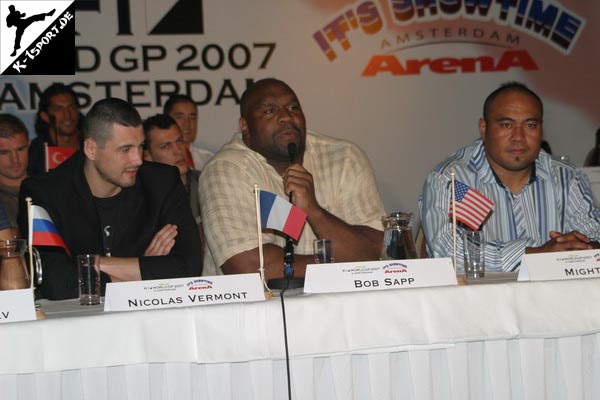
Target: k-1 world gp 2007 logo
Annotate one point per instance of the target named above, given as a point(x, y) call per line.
point(37, 37)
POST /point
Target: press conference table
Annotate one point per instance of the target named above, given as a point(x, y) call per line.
point(502, 341)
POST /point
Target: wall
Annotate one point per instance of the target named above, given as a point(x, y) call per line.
point(407, 89)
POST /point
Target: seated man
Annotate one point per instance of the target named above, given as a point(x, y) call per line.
point(105, 201)
point(183, 110)
point(14, 143)
point(331, 180)
point(164, 144)
point(541, 204)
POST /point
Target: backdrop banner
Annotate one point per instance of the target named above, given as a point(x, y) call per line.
point(403, 79)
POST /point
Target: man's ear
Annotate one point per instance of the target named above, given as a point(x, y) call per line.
point(482, 125)
point(244, 129)
point(147, 156)
point(89, 148)
point(45, 117)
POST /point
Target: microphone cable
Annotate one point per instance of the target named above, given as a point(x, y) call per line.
point(285, 339)
point(289, 257)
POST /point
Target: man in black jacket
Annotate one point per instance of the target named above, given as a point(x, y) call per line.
point(106, 201)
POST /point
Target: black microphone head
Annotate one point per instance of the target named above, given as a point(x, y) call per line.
point(291, 148)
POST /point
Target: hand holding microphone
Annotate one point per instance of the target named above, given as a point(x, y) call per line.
point(291, 149)
point(299, 185)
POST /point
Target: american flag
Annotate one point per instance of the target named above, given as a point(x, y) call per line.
point(471, 206)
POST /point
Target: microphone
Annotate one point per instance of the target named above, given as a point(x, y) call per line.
point(288, 281)
point(292, 148)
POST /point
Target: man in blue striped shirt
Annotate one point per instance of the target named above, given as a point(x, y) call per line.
point(542, 204)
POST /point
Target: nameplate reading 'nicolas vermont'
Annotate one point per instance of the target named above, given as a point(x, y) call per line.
point(183, 292)
point(16, 305)
point(378, 275)
point(560, 266)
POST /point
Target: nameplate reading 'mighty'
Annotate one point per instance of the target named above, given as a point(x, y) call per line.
point(183, 292)
point(16, 305)
point(378, 275)
point(579, 264)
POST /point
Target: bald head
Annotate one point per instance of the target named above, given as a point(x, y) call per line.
point(255, 92)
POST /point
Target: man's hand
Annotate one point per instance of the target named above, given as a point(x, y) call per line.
point(162, 242)
point(562, 242)
point(299, 181)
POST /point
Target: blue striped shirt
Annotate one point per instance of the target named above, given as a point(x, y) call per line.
point(558, 197)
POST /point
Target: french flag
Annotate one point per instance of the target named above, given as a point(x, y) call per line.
point(281, 215)
point(42, 231)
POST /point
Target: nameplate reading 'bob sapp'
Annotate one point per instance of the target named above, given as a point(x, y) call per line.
point(183, 292)
point(378, 275)
point(16, 305)
point(561, 265)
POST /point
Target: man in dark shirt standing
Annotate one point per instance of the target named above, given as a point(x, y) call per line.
point(105, 201)
point(58, 123)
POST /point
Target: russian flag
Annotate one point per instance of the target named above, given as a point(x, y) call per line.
point(42, 231)
point(281, 215)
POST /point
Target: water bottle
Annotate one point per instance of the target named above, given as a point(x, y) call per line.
point(398, 243)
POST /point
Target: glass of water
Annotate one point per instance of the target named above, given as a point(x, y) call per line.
point(474, 254)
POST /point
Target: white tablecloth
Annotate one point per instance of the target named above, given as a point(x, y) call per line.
point(504, 341)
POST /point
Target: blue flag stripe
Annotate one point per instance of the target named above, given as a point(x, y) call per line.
point(266, 202)
point(42, 225)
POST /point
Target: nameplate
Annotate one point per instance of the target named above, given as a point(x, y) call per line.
point(16, 305)
point(578, 264)
point(183, 292)
point(378, 275)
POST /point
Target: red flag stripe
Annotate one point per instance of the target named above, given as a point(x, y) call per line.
point(473, 207)
point(295, 222)
point(479, 199)
point(48, 239)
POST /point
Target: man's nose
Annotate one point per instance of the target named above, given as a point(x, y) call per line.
point(518, 133)
point(136, 157)
point(285, 115)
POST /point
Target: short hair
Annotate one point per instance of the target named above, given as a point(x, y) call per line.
point(41, 126)
point(174, 99)
point(249, 93)
point(99, 121)
point(509, 87)
point(11, 126)
point(160, 121)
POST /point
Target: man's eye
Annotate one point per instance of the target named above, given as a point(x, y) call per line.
point(506, 125)
point(269, 111)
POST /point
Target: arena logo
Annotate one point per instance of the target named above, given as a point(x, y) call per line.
point(395, 268)
point(545, 20)
point(447, 65)
point(37, 37)
point(199, 284)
